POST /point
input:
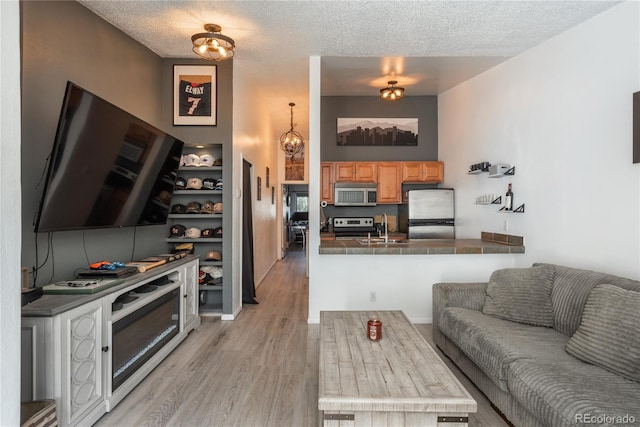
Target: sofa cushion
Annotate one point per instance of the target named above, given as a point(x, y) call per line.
point(609, 334)
point(572, 392)
point(521, 295)
point(571, 289)
point(493, 343)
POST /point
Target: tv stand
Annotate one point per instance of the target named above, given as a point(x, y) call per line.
point(80, 346)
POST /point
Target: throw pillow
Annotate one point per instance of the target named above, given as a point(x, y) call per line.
point(521, 295)
point(609, 333)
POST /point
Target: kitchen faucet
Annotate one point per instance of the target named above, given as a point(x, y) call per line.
point(385, 221)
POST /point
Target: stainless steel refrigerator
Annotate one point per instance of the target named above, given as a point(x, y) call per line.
point(428, 214)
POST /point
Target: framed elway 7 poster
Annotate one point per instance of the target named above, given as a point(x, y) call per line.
point(195, 95)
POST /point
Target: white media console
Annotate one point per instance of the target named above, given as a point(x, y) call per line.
point(87, 352)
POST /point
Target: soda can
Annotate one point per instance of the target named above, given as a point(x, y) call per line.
point(374, 329)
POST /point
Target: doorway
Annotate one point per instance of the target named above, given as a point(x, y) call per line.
point(296, 211)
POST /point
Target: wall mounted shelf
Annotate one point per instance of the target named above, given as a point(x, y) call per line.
point(195, 216)
point(519, 209)
point(496, 201)
point(510, 171)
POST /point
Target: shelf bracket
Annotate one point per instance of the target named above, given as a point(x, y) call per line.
point(511, 171)
point(497, 201)
point(519, 209)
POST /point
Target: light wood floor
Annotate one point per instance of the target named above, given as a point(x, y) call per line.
point(259, 370)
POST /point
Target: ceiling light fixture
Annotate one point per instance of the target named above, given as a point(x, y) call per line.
point(212, 45)
point(392, 92)
point(291, 142)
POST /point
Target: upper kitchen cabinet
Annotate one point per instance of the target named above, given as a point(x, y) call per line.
point(355, 171)
point(326, 182)
point(432, 172)
point(389, 183)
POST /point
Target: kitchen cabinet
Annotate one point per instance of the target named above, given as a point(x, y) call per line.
point(326, 182)
point(389, 183)
point(432, 172)
point(68, 362)
point(388, 175)
point(355, 171)
point(190, 318)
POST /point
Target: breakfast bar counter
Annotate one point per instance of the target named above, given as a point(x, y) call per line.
point(489, 243)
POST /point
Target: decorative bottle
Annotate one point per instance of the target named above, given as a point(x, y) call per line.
point(508, 199)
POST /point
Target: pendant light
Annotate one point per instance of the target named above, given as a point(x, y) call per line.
point(291, 142)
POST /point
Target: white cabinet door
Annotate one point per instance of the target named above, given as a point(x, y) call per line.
point(81, 368)
point(191, 296)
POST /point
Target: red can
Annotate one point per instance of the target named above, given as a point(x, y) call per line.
point(374, 329)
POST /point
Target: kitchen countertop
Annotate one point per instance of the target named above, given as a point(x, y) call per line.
point(489, 243)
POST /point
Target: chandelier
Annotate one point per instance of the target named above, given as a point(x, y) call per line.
point(291, 142)
point(212, 45)
point(392, 92)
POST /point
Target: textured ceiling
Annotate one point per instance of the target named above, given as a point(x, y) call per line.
point(429, 46)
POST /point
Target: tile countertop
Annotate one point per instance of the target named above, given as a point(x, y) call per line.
point(489, 243)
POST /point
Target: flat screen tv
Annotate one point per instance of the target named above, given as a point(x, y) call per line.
point(107, 168)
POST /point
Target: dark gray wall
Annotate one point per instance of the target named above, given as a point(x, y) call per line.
point(80, 47)
point(65, 41)
point(425, 108)
point(222, 133)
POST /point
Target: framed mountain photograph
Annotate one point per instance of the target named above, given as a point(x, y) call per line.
point(369, 132)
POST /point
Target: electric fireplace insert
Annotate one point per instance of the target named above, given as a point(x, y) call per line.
point(141, 334)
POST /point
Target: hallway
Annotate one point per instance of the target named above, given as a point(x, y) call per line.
point(258, 370)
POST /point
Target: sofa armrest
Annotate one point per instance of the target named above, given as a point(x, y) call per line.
point(465, 295)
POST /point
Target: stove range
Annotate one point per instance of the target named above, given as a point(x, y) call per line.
point(353, 227)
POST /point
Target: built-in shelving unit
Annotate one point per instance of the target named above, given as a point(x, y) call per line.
point(211, 297)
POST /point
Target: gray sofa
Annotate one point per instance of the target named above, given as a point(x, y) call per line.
point(548, 345)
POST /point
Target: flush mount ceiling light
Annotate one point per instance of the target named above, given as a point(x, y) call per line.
point(291, 142)
point(392, 92)
point(212, 45)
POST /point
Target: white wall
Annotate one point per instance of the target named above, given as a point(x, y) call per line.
point(561, 113)
point(9, 215)
point(253, 141)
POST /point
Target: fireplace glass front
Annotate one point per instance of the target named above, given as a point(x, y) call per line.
point(141, 334)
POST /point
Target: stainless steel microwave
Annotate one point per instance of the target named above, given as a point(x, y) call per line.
point(355, 194)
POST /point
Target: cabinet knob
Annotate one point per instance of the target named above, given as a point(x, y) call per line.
point(105, 348)
point(185, 296)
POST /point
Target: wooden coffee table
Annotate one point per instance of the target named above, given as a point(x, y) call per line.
point(397, 381)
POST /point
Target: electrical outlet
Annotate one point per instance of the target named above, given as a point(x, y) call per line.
point(505, 226)
point(372, 296)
